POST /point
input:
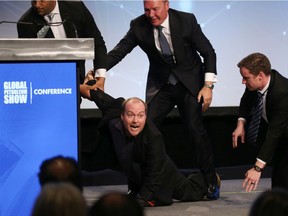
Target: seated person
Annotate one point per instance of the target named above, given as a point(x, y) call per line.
point(116, 204)
point(60, 169)
point(271, 202)
point(59, 199)
point(139, 146)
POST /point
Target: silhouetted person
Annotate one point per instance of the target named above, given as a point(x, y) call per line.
point(59, 199)
point(116, 204)
point(271, 202)
point(60, 169)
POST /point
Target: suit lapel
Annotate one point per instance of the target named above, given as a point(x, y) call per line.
point(269, 95)
point(68, 22)
point(177, 40)
point(148, 36)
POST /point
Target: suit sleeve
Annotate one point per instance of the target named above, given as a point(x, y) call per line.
point(125, 46)
point(278, 124)
point(154, 172)
point(89, 29)
point(204, 47)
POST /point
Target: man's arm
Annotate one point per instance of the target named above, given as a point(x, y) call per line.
point(125, 46)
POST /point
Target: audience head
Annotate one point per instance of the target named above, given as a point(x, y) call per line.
point(133, 116)
point(271, 202)
point(116, 204)
point(60, 169)
point(59, 199)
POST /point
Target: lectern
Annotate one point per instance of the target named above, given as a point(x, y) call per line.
point(39, 105)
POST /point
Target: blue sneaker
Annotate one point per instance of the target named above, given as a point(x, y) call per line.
point(213, 191)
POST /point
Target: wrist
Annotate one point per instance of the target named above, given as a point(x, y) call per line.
point(257, 168)
point(210, 86)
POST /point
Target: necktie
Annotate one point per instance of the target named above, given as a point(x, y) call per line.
point(166, 53)
point(43, 31)
point(253, 128)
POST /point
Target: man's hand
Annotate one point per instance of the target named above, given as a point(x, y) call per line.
point(85, 90)
point(100, 83)
point(100, 80)
point(251, 180)
point(238, 132)
point(205, 94)
point(89, 76)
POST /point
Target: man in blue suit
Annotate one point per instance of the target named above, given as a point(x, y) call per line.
point(177, 76)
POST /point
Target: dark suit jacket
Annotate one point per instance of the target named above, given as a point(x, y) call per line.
point(151, 169)
point(77, 20)
point(187, 39)
point(276, 111)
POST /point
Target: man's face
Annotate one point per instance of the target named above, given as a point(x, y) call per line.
point(43, 7)
point(156, 11)
point(251, 81)
point(134, 117)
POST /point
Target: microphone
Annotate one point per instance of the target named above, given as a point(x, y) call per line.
point(75, 29)
point(72, 23)
point(22, 23)
point(34, 23)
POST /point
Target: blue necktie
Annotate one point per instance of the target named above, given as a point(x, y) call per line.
point(166, 53)
point(254, 125)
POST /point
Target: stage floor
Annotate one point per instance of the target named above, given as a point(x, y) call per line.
point(234, 201)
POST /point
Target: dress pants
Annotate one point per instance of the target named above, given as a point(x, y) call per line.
point(191, 114)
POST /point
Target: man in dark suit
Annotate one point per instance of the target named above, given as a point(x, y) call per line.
point(67, 19)
point(271, 137)
point(139, 146)
point(177, 76)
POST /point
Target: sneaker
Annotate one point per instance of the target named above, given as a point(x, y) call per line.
point(213, 191)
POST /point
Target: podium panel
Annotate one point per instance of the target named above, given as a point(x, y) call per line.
point(39, 103)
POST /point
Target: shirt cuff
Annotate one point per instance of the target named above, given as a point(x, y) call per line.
point(210, 77)
point(241, 118)
point(261, 161)
point(101, 72)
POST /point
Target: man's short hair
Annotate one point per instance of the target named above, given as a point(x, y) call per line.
point(60, 169)
point(255, 63)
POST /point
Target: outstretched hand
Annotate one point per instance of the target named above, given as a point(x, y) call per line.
point(85, 90)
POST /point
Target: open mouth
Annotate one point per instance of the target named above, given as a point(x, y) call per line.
point(134, 127)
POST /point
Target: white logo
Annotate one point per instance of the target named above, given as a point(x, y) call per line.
point(16, 92)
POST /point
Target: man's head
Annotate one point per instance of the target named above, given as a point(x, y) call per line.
point(43, 7)
point(156, 11)
point(60, 169)
point(116, 204)
point(60, 199)
point(255, 70)
point(134, 112)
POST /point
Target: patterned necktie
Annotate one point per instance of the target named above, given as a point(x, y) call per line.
point(254, 125)
point(166, 53)
point(43, 31)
